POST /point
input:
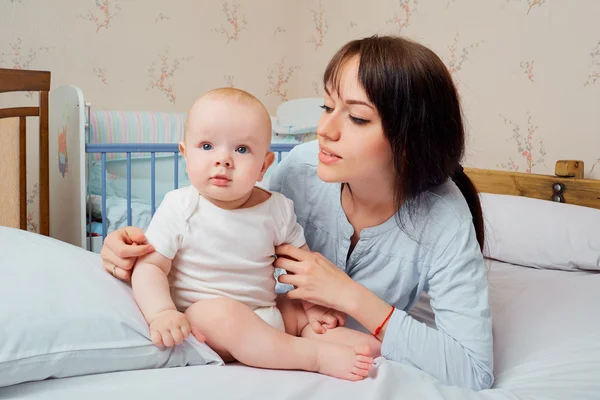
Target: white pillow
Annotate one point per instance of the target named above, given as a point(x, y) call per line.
point(298, 116)
point(62, 315)
point(540, 233)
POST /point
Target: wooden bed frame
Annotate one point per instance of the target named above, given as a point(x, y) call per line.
point(13, 148)
point(567, 186)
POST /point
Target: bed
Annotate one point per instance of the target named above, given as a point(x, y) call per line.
point(69, 330)
point(88, 339)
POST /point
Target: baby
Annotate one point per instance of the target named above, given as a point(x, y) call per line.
point(212, 273)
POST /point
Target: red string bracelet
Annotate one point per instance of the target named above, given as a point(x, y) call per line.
point(376, 333)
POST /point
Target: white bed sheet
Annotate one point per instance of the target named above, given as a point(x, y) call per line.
point(547, 346)
point(116, 212)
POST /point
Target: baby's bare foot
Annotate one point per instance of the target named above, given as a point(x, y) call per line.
point(374, 347)
point(344, 362)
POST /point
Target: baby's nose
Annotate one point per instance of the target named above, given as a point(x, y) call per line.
point(223, 161)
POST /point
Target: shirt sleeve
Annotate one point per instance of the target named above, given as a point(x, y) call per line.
point(289, 230)
point(460, 351)
point(167, 226)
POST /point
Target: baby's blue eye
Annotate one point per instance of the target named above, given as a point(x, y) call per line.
point(242, 149)
point(206, 146)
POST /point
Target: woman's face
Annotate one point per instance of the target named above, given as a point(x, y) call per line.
point(352, 144)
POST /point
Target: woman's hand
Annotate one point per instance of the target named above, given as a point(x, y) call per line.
point(315, 278)
point(121, 249)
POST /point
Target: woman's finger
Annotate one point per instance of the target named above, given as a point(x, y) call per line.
point(294, 280)
point(292, 266)
point(109, 258)
point(119, 273)
point(287, 250)
point(125, 250)
point(133, 234)
point(296, 294)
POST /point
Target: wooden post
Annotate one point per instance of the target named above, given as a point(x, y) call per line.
point(569, 169)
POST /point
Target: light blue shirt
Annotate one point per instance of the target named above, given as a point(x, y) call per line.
point(439, 255)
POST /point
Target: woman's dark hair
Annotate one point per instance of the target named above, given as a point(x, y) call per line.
point(420, 111)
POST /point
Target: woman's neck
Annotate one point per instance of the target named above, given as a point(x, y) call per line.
point(369, 203)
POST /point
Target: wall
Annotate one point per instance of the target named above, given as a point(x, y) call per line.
point(528, 71)
point(147, 55)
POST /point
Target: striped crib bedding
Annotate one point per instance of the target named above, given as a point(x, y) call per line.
point(150, 127)
point(135, 127)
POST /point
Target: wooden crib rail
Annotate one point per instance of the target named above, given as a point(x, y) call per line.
point(14, 80)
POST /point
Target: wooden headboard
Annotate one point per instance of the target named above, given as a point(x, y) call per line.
point(567, 186)
point(13, 149)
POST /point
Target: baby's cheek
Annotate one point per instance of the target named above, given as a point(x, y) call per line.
point(196, 171)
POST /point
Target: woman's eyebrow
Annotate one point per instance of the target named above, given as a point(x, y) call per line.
point(364, 103)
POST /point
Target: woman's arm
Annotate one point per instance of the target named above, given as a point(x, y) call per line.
point(458, 352)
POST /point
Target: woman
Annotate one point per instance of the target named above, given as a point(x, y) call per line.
point(387, 211)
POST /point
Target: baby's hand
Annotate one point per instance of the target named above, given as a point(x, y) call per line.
point(168, 328)
point(323, 318)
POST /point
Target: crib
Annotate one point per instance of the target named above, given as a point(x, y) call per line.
point(113, 168)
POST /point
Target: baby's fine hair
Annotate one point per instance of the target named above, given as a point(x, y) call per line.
point(229, 94)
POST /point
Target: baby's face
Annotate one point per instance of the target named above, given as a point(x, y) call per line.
point(226, 148)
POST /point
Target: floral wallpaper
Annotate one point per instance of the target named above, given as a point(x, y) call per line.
point(527, 71)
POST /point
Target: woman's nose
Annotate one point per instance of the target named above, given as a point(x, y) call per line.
point(329, 126)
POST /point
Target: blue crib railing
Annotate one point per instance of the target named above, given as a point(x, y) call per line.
point(103, 149)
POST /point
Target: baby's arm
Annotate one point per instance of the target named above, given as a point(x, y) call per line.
point(150, 285)
point(152, 294)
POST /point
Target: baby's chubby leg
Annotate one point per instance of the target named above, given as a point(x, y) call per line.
point(297, 324)
point(232, 328)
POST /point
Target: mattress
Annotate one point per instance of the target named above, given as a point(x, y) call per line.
point(547, 346)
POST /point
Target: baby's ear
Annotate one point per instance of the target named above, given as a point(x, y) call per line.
point(182, 149)
point(182, 152)
point(269, 158)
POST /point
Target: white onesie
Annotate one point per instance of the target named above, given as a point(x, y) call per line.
point(223, 253)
